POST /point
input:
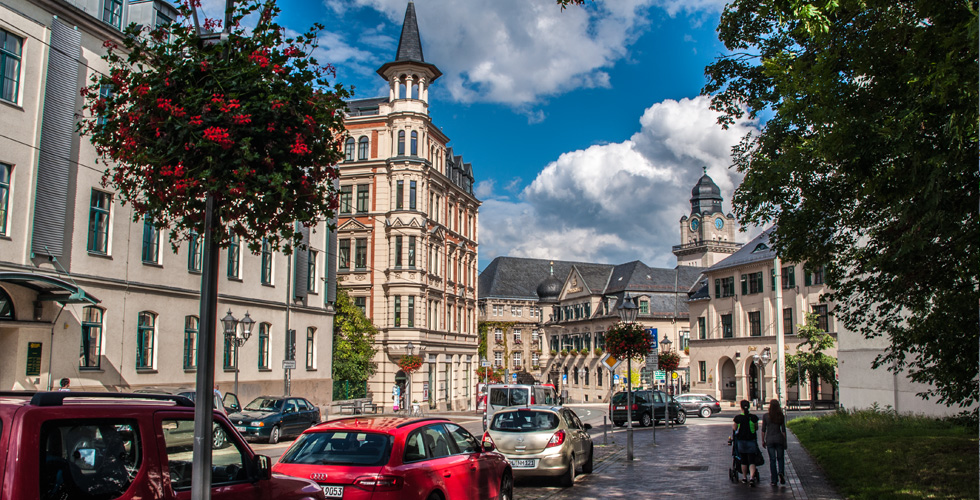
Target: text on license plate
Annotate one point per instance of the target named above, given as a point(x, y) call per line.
point(620, 407)
point(527, 463)
point(333, 491)
point(240, 428)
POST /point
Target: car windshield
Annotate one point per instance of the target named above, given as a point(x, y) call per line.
point(339, 448)
point(524, 421)
point(264, 404)
point(508, 397)
point(620, 398)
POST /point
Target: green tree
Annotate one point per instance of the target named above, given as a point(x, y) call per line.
point(353, 341)
point(810, 362)
point(866, 164)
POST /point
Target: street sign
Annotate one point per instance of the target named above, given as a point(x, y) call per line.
point(674, 375)
point(564, 378)
point(653, 362)
point(653, 337)
point(484, 363)
point(616, 378)
point(660, 377)
point(289, 364)
point(610, 362)
point(34, 358)
point(514, 376)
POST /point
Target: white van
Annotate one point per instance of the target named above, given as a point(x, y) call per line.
point(501, 396)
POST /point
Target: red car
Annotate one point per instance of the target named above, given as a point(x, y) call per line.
point(398, 458)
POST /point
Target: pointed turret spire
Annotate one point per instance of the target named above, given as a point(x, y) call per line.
point(410, 44)
point(410, 49)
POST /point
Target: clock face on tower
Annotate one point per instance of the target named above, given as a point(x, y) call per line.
point(719, 223)
point(694, 224)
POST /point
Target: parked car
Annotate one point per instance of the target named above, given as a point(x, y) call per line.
point(100, 445)
point(700, 404)
point(397, 458)
point(648, 408)
point(506, 395)
point(542, 441)
point(272, 417)
point(225, 405)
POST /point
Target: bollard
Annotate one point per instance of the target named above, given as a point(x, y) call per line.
point(605, 441)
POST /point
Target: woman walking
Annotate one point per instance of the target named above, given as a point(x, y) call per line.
point(745, 425)
point(774, 439)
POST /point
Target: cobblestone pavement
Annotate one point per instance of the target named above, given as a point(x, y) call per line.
point(689, 461)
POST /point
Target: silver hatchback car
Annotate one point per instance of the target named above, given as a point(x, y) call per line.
point(542, 441)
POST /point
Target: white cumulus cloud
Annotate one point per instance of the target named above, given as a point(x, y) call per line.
point(622, 201)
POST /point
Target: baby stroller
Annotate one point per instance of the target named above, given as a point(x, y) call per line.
point(736, 469)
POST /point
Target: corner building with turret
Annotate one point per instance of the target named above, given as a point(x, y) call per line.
point(407, 238)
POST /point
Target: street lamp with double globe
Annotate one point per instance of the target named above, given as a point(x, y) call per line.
point(665, 347)
point(628, 312)
point(236, 336)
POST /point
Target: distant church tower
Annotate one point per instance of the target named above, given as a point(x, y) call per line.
point(707, 235)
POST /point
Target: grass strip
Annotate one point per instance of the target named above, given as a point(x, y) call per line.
point(872, 454)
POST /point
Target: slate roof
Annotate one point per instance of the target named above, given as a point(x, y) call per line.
point(365, 106)
point(518, 278)
point(757, 250)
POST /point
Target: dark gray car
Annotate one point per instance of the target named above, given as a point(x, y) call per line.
point(648, 406)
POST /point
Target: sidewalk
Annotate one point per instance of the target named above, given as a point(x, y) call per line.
point(689, 461)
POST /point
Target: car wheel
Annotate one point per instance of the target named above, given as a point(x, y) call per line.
point(218, 438)
point(506, 488)
point(705, 412)
point(588, 465)
point(619, 424)
point(568, 478)
point(681, 418)
point(274, 435)
point(645, 420)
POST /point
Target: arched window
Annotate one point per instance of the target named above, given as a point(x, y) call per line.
point(91, 348)
point(349, 149)
point(191, 329)
point(401, 143)
point(362, 148)
point(264, 346)
point(310, 348)
point(415, 143)
point(145, 333)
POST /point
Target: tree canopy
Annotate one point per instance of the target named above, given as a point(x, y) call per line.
point(353, 341)
point(866, 164)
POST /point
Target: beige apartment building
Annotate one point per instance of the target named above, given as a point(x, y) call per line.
point(407, 237)
point(89, 294)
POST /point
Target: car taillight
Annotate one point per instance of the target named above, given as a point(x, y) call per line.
point(557, 439)
point(488, 439)
point(532, 399)
point(379, 482)
point(635, 407)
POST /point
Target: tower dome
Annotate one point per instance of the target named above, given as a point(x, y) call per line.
point(550, 288)
point(706, 195)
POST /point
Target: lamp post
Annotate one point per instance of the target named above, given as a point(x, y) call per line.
point(665, 347)
point(236, 336)
point(627, 313)
point(409, 348)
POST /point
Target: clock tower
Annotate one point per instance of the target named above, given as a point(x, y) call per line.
point(707, 234)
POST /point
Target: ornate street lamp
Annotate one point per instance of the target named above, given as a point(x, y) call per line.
point(665, 347)
point(236, 336)
point(763, 361)
point(627, 313)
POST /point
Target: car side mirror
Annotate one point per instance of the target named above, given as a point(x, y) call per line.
point(263, 467)
point(587, 426)
point(235, 407)
point(488, 446)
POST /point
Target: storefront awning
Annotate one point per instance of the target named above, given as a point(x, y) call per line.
point(50, 288)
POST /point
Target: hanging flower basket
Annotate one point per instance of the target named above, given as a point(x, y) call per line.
point(668, 361)
point(410, 363)
point(628, 341)
point(253, 122)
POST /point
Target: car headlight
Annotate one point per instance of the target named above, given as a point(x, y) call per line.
point(258, 424)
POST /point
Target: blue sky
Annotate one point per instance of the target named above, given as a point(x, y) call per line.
point(584, 126)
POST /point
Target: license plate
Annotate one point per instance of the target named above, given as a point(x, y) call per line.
point(620, 407)
point(240, 428)
point(527, 463)
point(333, 491)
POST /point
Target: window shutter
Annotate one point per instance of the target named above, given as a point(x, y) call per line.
point(745, 285)
point(301, 263)
point(717, 288)
point(57, 132)
point(807, 278)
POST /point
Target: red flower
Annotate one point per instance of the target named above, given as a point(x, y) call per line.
point(242, 119)
point(196, 120)
point(259, 57)
point(300, 147)
point(219, 136)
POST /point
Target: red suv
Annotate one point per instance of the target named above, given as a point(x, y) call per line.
point(99, 445)
point(398, 458)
